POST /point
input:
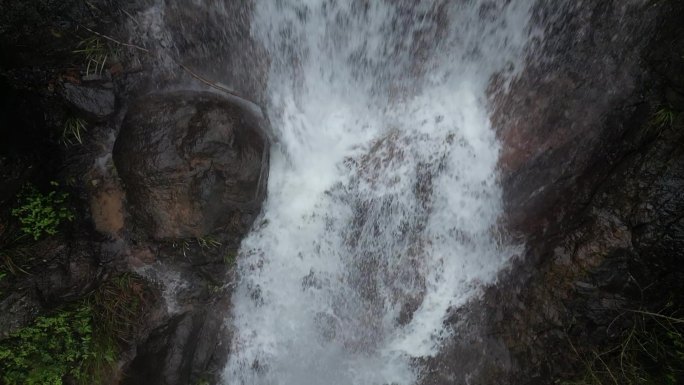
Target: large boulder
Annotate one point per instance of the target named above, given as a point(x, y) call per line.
point(192, 163)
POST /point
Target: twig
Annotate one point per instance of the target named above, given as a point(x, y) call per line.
point(209, 83)
point(129, 15)
point(675, 320)
point(143, 49)
point(625, 345)
point(610, 372)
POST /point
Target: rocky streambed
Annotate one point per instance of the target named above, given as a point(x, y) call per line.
point(168, 172)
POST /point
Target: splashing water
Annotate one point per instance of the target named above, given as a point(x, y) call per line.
point(382, 201)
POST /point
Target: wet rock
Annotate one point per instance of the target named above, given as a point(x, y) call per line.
point(46, 275)
point(190, 348)
point(62, 271)
point(106, 207)
point(567, 109)
point(18, 309)
point(215, 57)
point(95, 101)
point(594, 189)
point(191, 163)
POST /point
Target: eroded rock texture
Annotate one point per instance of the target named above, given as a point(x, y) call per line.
point(593, 181)
point(191, 163)
point(190, 348)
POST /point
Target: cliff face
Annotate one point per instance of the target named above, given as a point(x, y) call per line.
point(593, 172)
point(594, 181)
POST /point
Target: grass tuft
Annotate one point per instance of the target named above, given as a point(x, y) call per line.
point(96, 52)
point(73, 131)
point(649, 352)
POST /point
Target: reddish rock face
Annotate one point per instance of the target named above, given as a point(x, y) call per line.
point(192, 163)
point(563, 114)
point(594, 189)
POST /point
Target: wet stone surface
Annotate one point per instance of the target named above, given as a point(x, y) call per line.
point(191, 163)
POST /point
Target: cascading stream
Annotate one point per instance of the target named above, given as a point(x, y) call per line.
point(383, 201)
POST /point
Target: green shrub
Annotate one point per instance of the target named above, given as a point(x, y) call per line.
point(53, 347)
point(79, 343)
point(41, 214)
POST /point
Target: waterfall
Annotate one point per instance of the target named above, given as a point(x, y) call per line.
point(383, 200)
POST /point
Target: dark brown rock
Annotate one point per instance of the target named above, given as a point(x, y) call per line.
point(190, 348)
point(192, 162)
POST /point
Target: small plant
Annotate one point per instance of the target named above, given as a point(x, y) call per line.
point(664, 117)
point(73, 131)
point(80, 343)
point(182, 245)
point(41, 214)
point(95, 52)
point(229, 258)
point(208, 243)
point(118, 304)
point(215, 289)
point(50, 349)
point(651, 351)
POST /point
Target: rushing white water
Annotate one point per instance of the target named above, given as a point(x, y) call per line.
point(382, 202)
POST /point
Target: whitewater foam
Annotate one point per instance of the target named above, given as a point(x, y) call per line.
point(382, 202)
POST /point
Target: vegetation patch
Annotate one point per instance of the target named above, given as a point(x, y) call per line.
point(118, 303)
point(96, 53)
point(54, 347)
point(77, 343)
point(205, 244)
point(41, 214)
point(73, 131)
point(649, 352)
